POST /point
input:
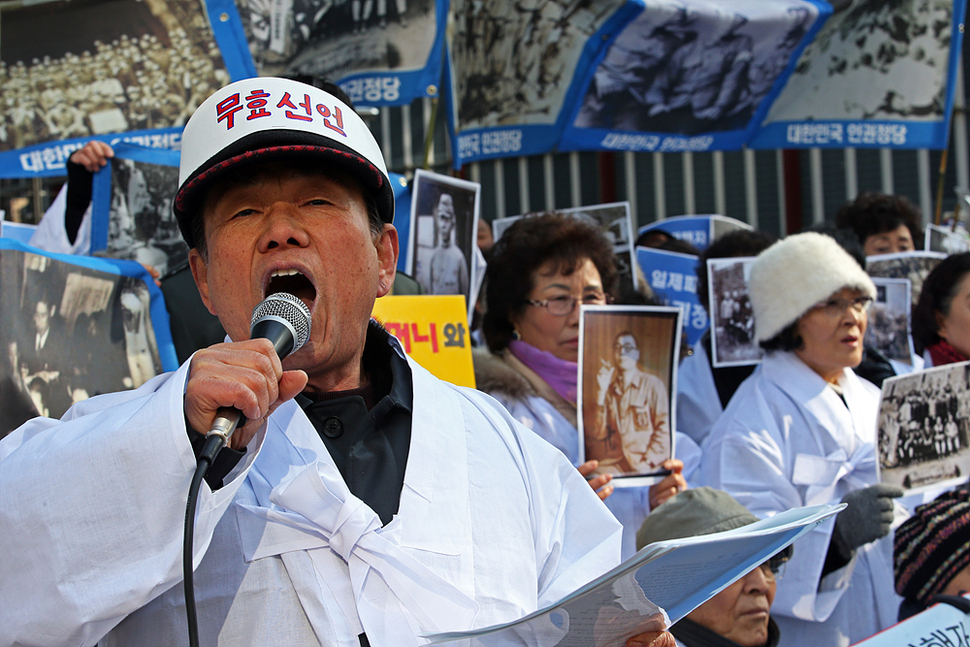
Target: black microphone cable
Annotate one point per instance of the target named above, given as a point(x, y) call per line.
point(285, 320)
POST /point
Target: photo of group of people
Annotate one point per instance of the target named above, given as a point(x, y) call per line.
point(732, 317)
point(924, 427)
point(68, 333)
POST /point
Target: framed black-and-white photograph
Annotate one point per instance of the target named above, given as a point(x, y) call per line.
point(628, 376)
point(914, 266)
point(444, 230)
point(732, 317)
point(888, 328)
point(131, 208)
point(72, 330)
point(946, 239)
point(924, 428)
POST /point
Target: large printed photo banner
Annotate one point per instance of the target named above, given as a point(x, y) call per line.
point(131, 208)
point(126, 70)
point(660, 76)
point(691, 75)
point(380, 52)
point(878, 75)
point(73, 327)
point(513, 70)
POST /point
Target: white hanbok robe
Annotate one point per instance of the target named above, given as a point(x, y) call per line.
point(698, 403)
point(786, 440)
point(493, 523)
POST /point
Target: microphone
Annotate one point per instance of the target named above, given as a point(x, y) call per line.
point(284, 320)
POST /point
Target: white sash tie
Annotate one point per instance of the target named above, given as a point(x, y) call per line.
point(396, 595)
point(823, 474)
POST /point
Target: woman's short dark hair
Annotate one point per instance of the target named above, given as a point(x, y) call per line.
point(735, 243)
point(787, 340)
point(939, 288)
point(873, 213)
point(527, 245)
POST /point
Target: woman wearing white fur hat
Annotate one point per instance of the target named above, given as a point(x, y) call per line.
point(801, 431)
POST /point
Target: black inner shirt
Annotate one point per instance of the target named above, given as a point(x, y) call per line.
point(368, 430)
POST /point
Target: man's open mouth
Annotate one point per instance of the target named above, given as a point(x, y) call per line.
point(294, 282)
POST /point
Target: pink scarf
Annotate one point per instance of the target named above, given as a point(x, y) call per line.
point(560, 374)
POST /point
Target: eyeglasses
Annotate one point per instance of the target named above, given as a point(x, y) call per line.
point(565, 304)
point(835, 306)
point(774, 568)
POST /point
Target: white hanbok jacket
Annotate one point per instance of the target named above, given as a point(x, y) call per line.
point(493, 523)
point(786, 440)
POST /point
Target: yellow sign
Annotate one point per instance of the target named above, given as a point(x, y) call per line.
point(434, 332)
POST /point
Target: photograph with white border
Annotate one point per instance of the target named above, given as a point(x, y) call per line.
point(888, 330)
point(732, 316)
point(924, 428)
point(627, 378)
point(444, 228)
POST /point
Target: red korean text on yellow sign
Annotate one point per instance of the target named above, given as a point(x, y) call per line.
point(434, 332)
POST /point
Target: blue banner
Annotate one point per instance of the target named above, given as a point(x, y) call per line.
point(673, 277)
point(876, 76)
point(691, 76)
point(699, 231)
point(380, 52)
point(514, 73)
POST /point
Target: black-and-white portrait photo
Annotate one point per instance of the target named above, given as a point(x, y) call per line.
point(444, 228)
point(948, 240)
point(885, 61)
point(332, 39)
point(888, 329)
point(914, 266)
point(732, 316)
point(924, 427)
point(112, 67)
point(694, 68)
point(141, 224)
point(68, 333)
point(627, 367)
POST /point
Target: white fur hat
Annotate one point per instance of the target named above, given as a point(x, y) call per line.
point(267, 117)
point(796, 273)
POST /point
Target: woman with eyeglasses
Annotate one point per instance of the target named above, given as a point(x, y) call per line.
point(541, 270)
point(802, 431)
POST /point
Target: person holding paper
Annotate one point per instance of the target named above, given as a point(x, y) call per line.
point(801, 431)
point(542, 268)
point(364, 502)
point(738, 616)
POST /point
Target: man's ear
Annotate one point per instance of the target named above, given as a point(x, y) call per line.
point(200, 272)
point(387, 246)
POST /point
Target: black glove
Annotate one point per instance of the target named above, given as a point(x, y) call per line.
point(868, 517)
